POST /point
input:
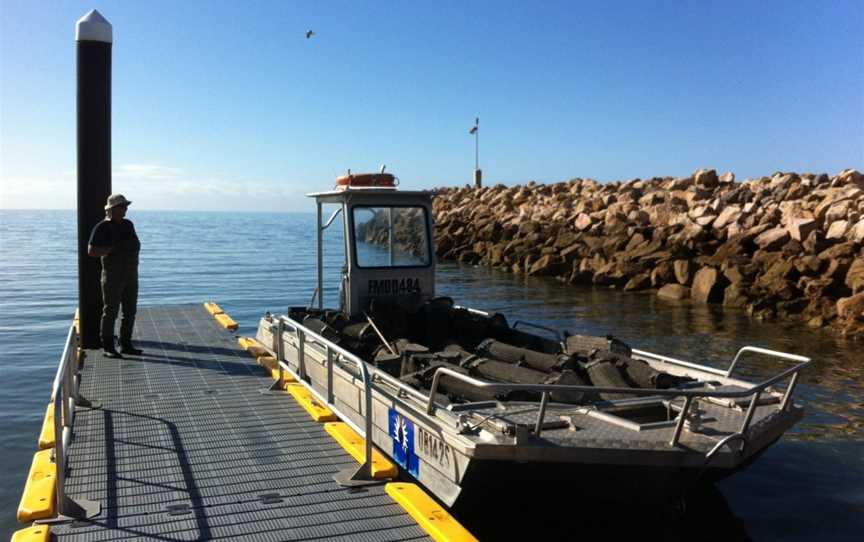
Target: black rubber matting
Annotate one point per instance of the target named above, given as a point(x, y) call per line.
point(185, 447)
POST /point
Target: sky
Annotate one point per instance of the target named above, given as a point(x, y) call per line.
point(227, 105)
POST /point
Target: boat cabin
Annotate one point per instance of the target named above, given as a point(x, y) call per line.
point(388, 242)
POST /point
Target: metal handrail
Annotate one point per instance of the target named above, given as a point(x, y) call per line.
point(65, 397)
point(374, 372)
point(369, 374)
point(767, 352)
point(755, 390)
point(679, 362)
point(301, 333)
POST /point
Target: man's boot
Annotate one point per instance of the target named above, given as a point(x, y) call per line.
point(109, 351)
point(127, 348)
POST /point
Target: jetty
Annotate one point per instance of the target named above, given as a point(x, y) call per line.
point(203, 436)
point(195, 439)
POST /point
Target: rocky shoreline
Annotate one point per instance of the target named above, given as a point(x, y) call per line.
point(788, 246)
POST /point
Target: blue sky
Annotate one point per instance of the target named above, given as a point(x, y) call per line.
point(220, 105)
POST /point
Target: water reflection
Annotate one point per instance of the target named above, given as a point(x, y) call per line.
point(570, 513)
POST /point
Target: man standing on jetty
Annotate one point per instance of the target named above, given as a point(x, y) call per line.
point(115, 241)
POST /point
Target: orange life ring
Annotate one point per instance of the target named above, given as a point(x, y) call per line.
point(366, 179)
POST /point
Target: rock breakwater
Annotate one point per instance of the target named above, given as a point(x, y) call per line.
point(788, 246)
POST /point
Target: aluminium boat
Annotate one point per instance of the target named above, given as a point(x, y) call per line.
point(464, 400)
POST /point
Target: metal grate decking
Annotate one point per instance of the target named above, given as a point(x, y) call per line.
point(185, 447)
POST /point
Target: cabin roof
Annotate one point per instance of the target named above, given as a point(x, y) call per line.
point(371, 194)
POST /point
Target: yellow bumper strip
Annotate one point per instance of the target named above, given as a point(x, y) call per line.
point(226, 321)
point(319, 412)
point(46, 436)
point(431, 516)
point(257, 351)
point(252, 346)
point(268, 362)
point(354, 444)
point(38, 499)
point(286, 377)
point(213, 308)
point(36, 533)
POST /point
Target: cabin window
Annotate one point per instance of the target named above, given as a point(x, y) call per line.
point(391, 236)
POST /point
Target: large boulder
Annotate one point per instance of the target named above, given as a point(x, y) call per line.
point(838, 211)
point(706, 178)
point(855, 276)
point(583, 222)
point(662, 274)
point(734, 274)
point(727, 216)
point(856, 232)
point(708, 286)
point(547, 265)
point(772, 239)
point(674, 291)
point(736, 295)
point(800, 228)
point(837, 230)
point(683, 271)
point(851, 307)
point(571, 253)
point(639, 282)
point(808, 265)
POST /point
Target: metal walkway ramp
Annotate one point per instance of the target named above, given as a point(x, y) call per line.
point(186, 447)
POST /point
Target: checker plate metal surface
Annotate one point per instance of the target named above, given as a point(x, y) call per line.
point(185, 447)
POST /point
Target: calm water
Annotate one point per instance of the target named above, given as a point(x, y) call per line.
point(808, 486)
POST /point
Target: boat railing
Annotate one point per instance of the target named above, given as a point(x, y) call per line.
point(304, 335)
point(375, 374)
point(721, 372)
point(370, 374)
point(754, 392)
point(65, 396)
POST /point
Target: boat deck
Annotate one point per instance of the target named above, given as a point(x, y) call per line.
point(186, 447)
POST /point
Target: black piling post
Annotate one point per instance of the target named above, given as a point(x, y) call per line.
point(93, 36)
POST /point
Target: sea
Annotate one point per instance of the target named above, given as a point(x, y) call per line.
point(807, 486)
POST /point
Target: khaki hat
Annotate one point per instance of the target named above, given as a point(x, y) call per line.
point(116, 200)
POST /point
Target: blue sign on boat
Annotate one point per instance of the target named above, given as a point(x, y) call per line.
point(402, 434)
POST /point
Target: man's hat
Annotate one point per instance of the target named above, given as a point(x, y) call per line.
point(116, 200)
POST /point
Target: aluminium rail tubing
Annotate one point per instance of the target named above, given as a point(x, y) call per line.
point(302, 333)
point(368, 375)
point(756, 391)
point(721, 372)
point(643, 353)
point(64, 396)
point(375, 373)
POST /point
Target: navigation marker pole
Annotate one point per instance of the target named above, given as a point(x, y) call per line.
point(478, 174)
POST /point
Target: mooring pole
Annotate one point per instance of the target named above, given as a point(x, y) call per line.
point(93, 36)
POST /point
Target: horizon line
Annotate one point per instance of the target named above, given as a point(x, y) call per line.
point(149, 209)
